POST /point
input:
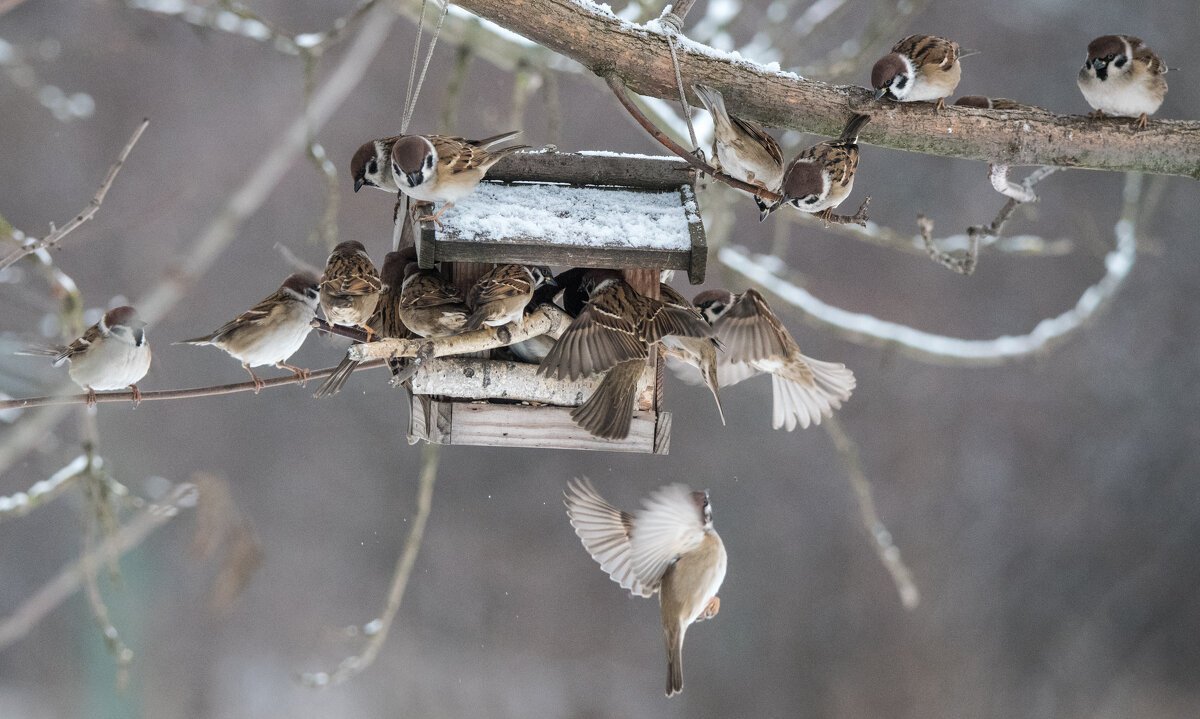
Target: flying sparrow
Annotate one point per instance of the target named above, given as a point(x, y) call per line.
point(698, 352)
point(920, 68)
point(1122, 77)
point(669, 547)
point(385, 323)
point(430, 305)
point(819, 178)
point(741, 149)
point(371, 165)
point(439, 168)
point(988, 103)
point(756, 341)
point(270, 331)
point(111, 354)
point(613, 331)
point(501, 294)
point(350, 286)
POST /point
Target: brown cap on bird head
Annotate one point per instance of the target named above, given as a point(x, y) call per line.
point(886, 69)
point(1108, 45)
point(123, 315)
point(409, 153)
point(803, 179)
point(301, 282)
point(363, 156)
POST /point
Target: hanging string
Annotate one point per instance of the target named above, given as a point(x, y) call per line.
point(410, 98)
point(674, 24)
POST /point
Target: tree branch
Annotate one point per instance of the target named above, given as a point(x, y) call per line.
point(546, 319)
point(587, 33)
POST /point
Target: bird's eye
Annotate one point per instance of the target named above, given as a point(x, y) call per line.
point(373, 167)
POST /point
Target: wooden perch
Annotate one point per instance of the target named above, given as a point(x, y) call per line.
point(471, 378)
point(546, 319)
point(641, 58)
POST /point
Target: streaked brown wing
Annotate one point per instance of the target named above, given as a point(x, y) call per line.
point(429, 290)
point(928, 50)
point(1146, 56)
point(501, 283)
point(751, 331)
point(755, 131)
point(350, 275)
point(662, 319)
point(457, 154)
point(597, 340)
point(90, 335)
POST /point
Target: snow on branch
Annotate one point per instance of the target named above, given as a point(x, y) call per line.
point(767, 272)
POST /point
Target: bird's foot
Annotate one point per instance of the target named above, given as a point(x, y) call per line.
point(301, 373)
point(137, 394)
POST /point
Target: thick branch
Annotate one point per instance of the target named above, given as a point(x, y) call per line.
point(546, 319)
point(1032, 136)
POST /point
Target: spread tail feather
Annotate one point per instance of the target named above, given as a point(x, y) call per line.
point(713, 102)
point(489, 141)
point(853, 127)
point(333, 384)
point(608, 413)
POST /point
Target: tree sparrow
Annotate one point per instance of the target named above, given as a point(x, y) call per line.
point(350, 286)
point(371, 165)
point(386, 322)
point(430, 305)
point(821, 177)
point(439, 168)
point(669, 547)
point(271, 331)
point(741, 149)
point(920, 68)
point(756, 341)
point(1122, 77)
point(698, 352)
point(110, 355)
point(614, 332)
point(501, 294)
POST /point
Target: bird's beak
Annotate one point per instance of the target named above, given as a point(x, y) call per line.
point(414, 178)
point(358, 183)
point(880, 92)
point(766, 211)
point(1098, 64)
point(549, 280)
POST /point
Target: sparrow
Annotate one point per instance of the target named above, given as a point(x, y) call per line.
point(501, 294)
point(371, 165)
point(698, 352)
point(614, 332)
point(270, 331)
point(669, 547)
point(350, 286)
point(1122, 77)
point(741, 149)
point(430, 305)
point(439, 168)
point(566, 283)
point(110, 355)
point(821, 177)
point(756, 341)
point(920, 68)
point(385, 322)
point(988, 103)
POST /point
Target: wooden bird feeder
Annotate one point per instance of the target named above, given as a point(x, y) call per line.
point(637, 214)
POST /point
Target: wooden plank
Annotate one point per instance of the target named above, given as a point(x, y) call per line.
point(475, 379)
point(699, 256)
point(532, 252)
point(492, 425)
point(573, 168)
point(662, 434)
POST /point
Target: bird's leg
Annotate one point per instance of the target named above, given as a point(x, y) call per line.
point(826, 215)
point(434, 217)
point(137, 394)
point(258, 383)
point(711, 609)
point(1096, 114)
point(939, 106)
point(370, 332)
point(1140, 123)
point(300, 372)
point(91, 397)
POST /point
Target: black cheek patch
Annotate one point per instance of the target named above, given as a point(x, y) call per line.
point(1120, 62)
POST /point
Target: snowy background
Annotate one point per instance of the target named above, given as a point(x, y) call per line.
point(1049, 508)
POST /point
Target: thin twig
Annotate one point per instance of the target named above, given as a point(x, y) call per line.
point(885, 548)
point(377, 630)
point(88, 213)
point(618, 88)
point(127, 396)
point(67, 582)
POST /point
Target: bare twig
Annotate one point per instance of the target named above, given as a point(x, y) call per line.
point(885, 548)
point(67, 582)
point(56, 235)
point(127, 396)
point(377, 630)
point(546, 319)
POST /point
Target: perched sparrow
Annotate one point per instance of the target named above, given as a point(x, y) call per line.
point(699, 352)
point(1122, 77)
point(371, 164)
point(439, 168)
point(741, 149)
point(350, 286)
point(988, 103)
point(500, 295)
point(920, 68)
point(385, 323)
point(669, 547)
point(568, 283)
point(613, 330)
point(112, 354)
point(819, 178)
point(756, 341)
point(430, 305)
point(270, 331)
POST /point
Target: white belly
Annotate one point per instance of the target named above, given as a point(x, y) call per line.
point(111, 365)
point(1119, 96)
point(277, 346)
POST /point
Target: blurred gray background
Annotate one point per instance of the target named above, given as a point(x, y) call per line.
point(1049, 508)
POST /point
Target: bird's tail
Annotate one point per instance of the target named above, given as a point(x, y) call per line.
point(489, 141)
point(502, 153)
point(608, 413)
point(674, 662)
point(798, 402)
point(713, 101)
point(57, 353)
point(333, 383)
point(849, 134)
